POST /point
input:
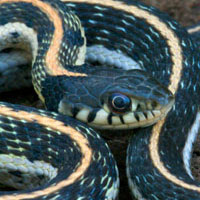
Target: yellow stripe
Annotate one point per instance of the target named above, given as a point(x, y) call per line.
point(176, 55)
point(81, 141)
point(154, 152)
point(177, 59)
point(154, 21)
point(53, 66)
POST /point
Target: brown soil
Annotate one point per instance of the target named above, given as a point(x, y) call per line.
point(184, 11)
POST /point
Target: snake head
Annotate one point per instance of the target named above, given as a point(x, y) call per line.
point(115, 100)
point(135, 99)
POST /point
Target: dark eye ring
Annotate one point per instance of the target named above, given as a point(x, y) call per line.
point(119, 103)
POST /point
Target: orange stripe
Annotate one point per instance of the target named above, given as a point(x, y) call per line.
point(53, 67)
point(57, 126)
point(154, 21)
point(175, 77)
point(154, 152)
point(177, 59)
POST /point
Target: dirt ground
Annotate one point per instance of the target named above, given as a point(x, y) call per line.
point(184, 11)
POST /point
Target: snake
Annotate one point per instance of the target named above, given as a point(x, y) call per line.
point(66, 158)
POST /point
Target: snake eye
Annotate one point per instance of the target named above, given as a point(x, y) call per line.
point(119, 103)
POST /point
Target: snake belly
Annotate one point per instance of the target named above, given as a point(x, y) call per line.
point(194, 32)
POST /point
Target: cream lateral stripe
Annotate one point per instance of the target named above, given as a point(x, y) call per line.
point(53, 66)
point(57, 126)
point(154, 152)
point(193, 30)
point(161, 27)
point(177, 59)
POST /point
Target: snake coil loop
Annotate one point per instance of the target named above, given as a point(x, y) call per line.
point(63, 158)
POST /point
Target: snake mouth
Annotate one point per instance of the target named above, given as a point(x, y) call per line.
point(142, 114)
point(134, 119)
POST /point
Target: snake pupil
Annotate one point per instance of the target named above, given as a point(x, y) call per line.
point(119, 103)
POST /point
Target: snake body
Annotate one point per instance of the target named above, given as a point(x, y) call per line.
point(166, 172)
point(60, 155)
point(100, 97)
point(48, 156)
point(158, 157)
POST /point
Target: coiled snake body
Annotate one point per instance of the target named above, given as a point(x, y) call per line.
point(70, 159)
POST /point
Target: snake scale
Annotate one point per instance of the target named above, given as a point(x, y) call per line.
point(45, 155)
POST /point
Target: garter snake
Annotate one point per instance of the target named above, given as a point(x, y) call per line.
point(121, 99)
point(59, 158)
